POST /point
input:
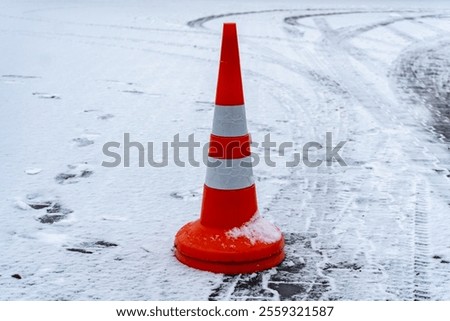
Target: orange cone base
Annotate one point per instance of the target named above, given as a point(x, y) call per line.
point(211, 249)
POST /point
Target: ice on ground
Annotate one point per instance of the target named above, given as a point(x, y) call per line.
point(33, 171)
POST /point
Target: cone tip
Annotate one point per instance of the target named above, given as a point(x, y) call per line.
point(229, 24)
point(229, 86)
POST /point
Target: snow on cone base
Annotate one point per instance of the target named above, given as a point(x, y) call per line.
point(228, 251)
point(230, 237)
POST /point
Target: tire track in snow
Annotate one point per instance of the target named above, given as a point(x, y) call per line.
point(199, 22)
point(354, 32)
point(422, 72)
point(86, 39)
point(422, 252)
point(293, 20)
point(99, 25)
point(429, 26)
point(401, 34)
point(340, 37)
point(336, 62)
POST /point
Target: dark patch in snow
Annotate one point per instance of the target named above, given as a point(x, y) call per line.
point(79, 250)
point(71, 176)
point(341, 265)
point(120, 82)
point(105, 244)
point(50, 219)
point(86, 173)
point(20, 76)
point(243, 287)
point(424, 73)
point(39, 205)
point(185, 195)
point(97, 244)
point(63, 177)
point(208, 106)
point(138, 92)
point(210, 103)
point(57, 208)
point(296, 278)
point(176, 195)
point(105, 117)
point(45, 96)
point(286, 290)
point(16, 276)
point(55, 212)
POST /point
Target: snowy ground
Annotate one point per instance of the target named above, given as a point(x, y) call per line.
point(77, 74)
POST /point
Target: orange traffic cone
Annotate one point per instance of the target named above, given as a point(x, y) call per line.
point(230, 237)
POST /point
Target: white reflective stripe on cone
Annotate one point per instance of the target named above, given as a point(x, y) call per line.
point(229, 121)
point(229, 174)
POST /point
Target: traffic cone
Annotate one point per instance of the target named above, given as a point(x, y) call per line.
point(230, 237)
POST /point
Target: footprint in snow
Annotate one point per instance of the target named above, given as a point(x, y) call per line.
point(139, 92)
point(54, 211)
point(119, 82)
point(207, 106)
point(74, 173)
point(99, 244)
point(39, 204)
point(90, 247)
point(105, 117)
point(82, 141)
point(127, 87)
point(45, 95)
point(186, 195)
point(86, 139)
